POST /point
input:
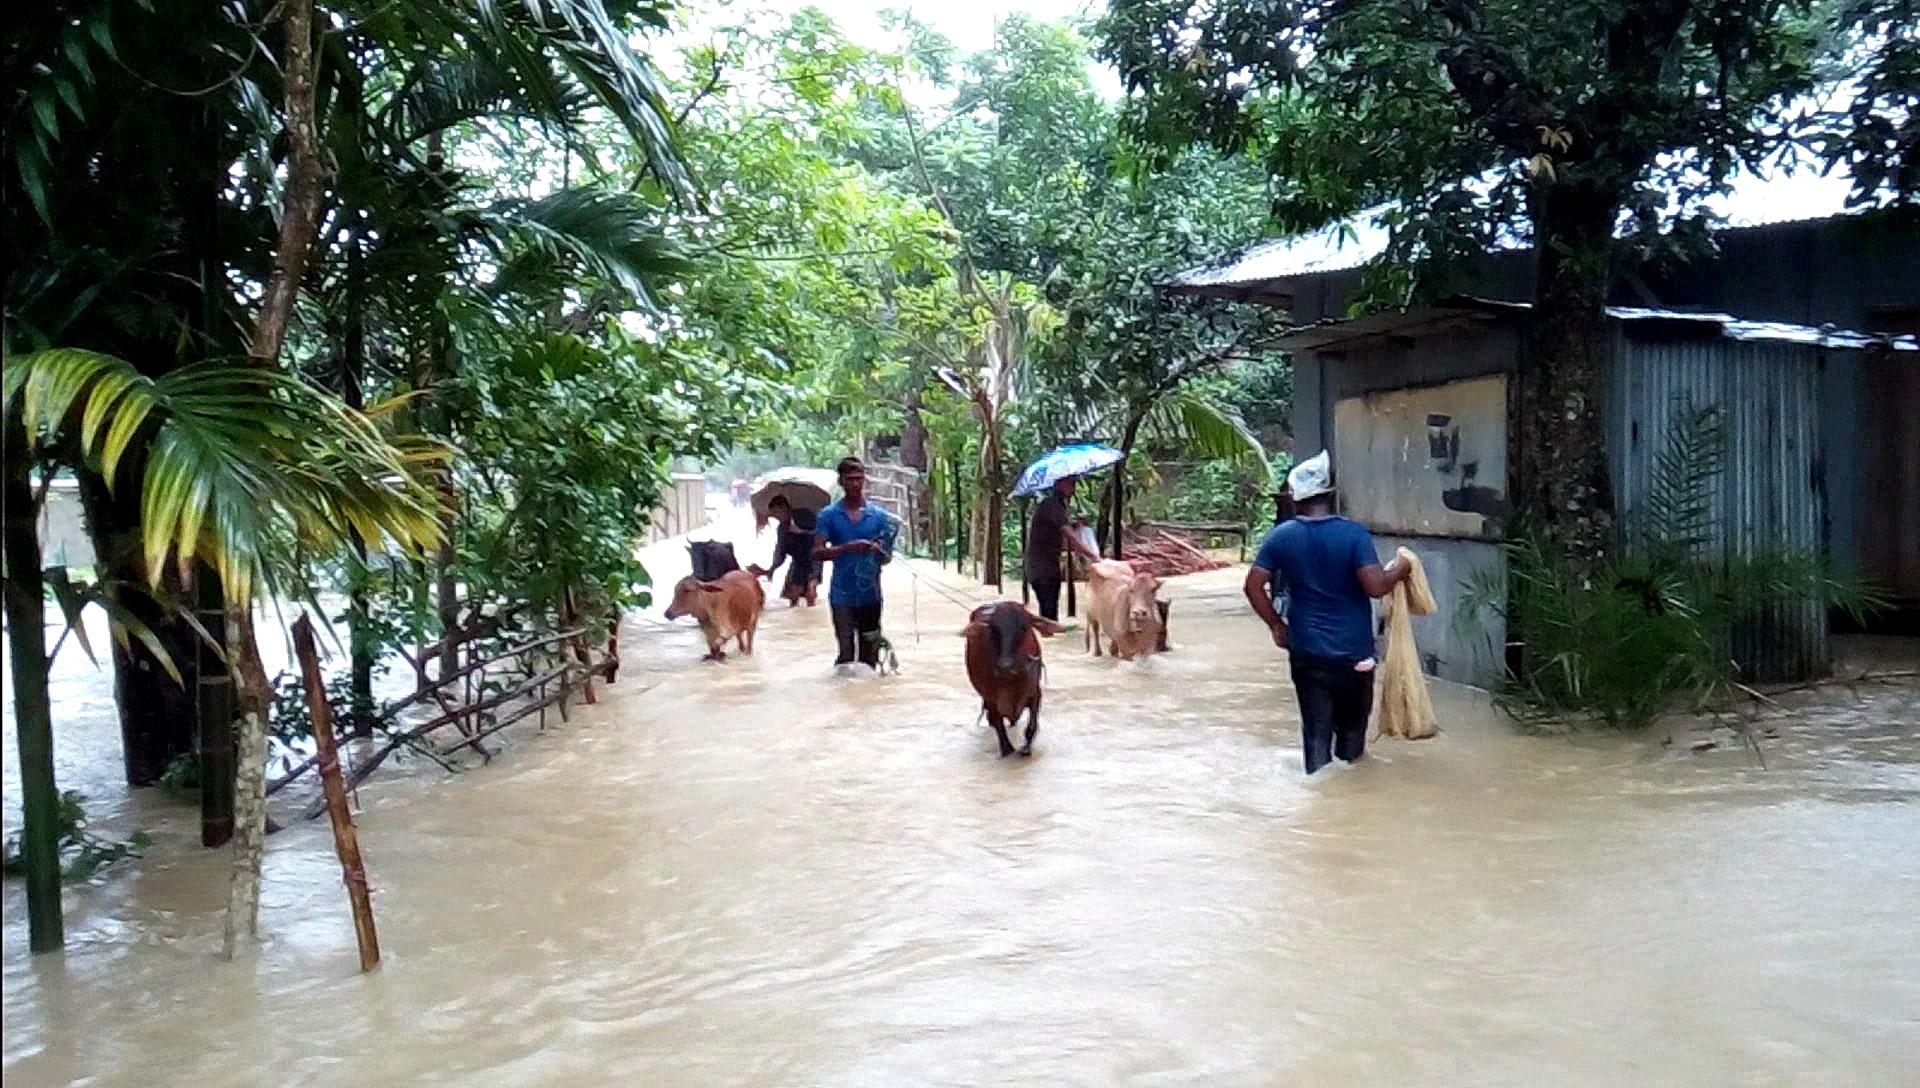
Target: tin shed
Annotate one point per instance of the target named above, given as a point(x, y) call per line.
point(1415, 407)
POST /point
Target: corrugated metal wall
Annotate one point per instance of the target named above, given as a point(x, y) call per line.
point(1772, 494)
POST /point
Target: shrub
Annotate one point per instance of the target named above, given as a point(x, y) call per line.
point(1656, 622)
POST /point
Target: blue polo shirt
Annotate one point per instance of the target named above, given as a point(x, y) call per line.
point(856, 576)
point(1317, 559)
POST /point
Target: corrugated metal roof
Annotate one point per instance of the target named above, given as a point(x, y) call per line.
point(1453, 311)
point(1332, 248)
point(1800, 195)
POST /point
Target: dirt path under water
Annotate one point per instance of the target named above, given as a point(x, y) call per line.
point(761, 874)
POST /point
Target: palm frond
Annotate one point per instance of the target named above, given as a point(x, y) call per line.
point(610, 234)
point(1211, 431)
point(1677, 516)
point(234, 457)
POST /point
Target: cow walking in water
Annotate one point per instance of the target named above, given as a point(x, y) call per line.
point(1003, 663)
point(727, 608)
point(1122, 609)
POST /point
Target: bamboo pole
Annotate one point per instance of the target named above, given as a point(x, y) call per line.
point(345, 840)
point(33, 711)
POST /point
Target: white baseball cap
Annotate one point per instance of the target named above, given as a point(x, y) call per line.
point(1311, 477)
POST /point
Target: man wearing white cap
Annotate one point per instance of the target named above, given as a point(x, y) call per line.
point(1331, 574)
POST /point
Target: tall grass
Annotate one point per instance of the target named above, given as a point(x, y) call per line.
point(1653, 628)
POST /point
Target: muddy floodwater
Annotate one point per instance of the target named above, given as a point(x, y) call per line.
point(762, 874)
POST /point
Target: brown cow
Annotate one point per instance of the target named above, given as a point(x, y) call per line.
point(1121, 607)
point(1003, 662)
point(727, 609)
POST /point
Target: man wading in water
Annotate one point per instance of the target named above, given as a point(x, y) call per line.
point(1331, 574)
point(1046, 536)
point(858, 540)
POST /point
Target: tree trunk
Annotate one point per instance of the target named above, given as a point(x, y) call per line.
point(913, 436)
point(1561, 469)
point(249, 818)
point(157, 714)
point(353, 350)
point(32, 711)
point(991, 513)
point(299, 221)
point(300, 201)
point(1117, 489)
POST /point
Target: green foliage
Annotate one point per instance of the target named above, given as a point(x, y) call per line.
point(1214, 492)
point(181, 779)
point(1470, 117)
point(1655, 624)
point(83, 854)
point(234, 459)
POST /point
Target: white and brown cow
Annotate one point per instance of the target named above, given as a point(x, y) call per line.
point(1121, 609)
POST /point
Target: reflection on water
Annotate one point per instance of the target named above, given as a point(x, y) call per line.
point(759, 874)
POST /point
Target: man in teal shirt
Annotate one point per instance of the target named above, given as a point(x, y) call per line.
point(858, 540)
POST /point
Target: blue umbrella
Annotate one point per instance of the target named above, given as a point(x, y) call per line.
point(1059, 464)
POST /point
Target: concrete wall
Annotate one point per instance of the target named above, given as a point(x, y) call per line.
point(1322, 379)
point(1450, 647)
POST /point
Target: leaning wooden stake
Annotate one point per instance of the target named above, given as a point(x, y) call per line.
point(345, 840)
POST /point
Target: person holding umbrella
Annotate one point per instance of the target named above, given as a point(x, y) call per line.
point(793, 542)
point(1047, 534)
point(1055, 475)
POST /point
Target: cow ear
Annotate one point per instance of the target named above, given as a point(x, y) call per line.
point(711, 588)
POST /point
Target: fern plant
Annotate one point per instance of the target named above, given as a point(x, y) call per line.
point(1655, 625)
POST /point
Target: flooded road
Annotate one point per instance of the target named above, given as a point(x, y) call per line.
point(763, 874)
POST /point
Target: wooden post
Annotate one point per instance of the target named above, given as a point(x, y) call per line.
point(345, 840)
point(569, 616)
point(959, 516)
point(215, 709)
point(1025, 589)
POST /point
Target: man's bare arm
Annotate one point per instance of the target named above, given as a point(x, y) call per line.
point(1261, 598)
point(1378, 581)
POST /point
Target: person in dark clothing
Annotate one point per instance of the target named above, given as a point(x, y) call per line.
point(858, 540)
point(793, 543)
point(1331, 574)
point(1047, 534)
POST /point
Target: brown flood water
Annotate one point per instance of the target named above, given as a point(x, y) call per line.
point(762, 874)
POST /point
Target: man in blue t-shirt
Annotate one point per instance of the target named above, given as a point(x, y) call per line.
point(1331, 574)
point(858, 539)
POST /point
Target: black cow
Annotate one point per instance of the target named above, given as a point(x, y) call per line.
point(711, 559)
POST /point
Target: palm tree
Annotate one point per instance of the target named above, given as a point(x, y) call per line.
point(130, 246)
point(244, 473)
